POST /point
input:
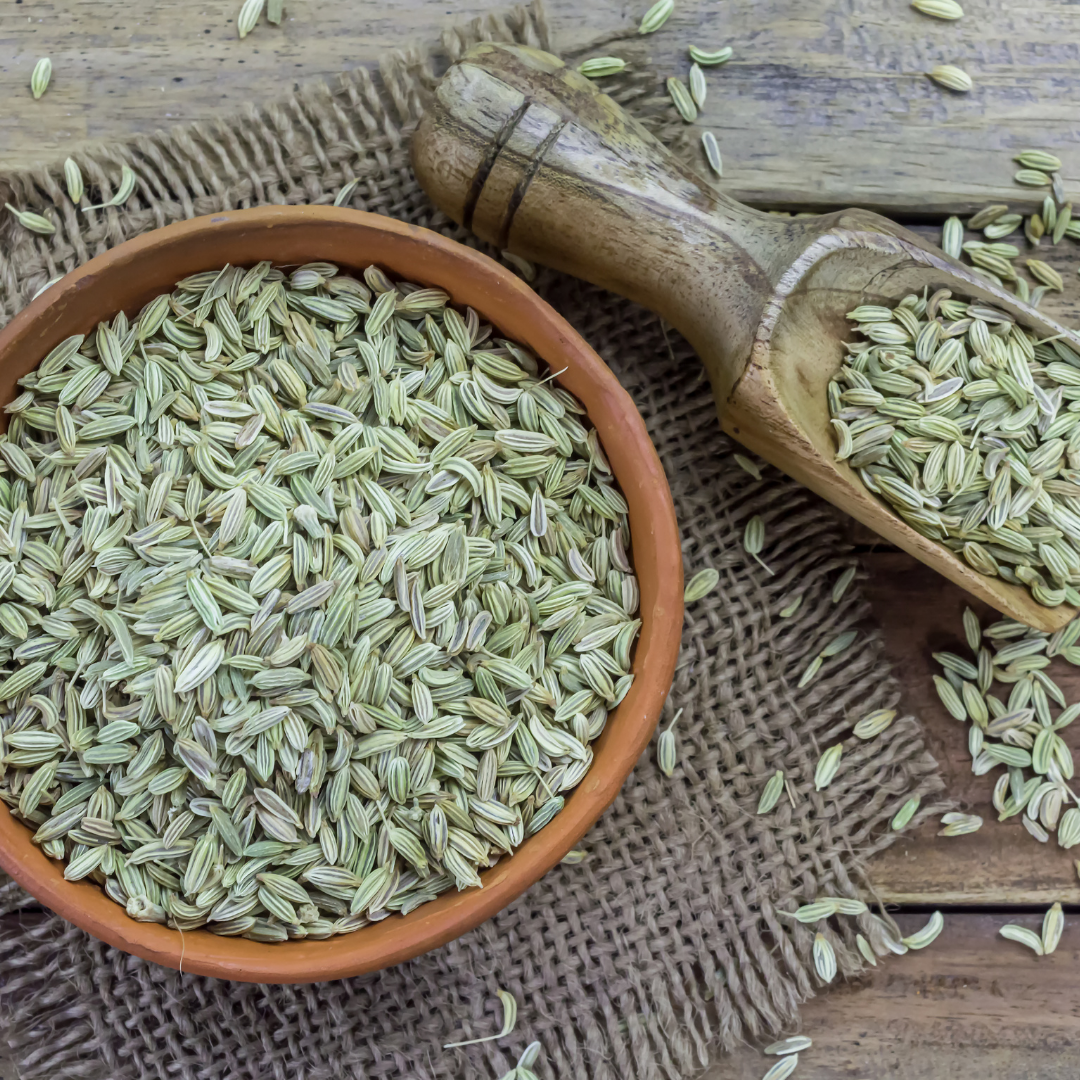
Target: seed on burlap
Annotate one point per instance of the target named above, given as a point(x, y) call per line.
point(667, 752)
point(124, 191)
point(701, 584)
point(847, 905)
point(770, 794)
point(824, 958)
point(73, 179)
point(874, 723)
point(525, 268)
point(510, 1010)
point(906, 813)
point(810, 672)
point(839, 643)
point(819, 909)
point(345, 192)
point(788, 610)
point(865, 949)
point(827, 766)
point(34, 222)
point(743, 461)
point(529, 1056)
point(754, 539)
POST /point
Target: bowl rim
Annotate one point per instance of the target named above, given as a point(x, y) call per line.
point(502, 298)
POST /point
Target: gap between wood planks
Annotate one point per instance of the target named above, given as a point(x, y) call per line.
point(920, 613)
point(970, 1006)
point(822, 104)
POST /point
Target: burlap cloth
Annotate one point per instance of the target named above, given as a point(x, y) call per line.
point(665, 946)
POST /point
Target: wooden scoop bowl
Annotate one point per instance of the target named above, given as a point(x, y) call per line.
point(532, 157)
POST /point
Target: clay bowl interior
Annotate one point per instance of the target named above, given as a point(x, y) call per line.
point(130, 275)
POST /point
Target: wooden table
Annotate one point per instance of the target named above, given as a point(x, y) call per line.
point(824, 105)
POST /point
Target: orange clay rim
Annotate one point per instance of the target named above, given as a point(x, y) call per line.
point(131, 274)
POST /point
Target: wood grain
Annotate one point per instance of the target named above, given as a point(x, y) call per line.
point(825, 103)
point(919, 614)
point(1064, 306)
point(971, 1006)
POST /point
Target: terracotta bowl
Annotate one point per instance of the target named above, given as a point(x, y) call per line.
point(130, 275)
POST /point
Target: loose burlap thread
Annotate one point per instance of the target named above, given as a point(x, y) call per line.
point(668, 944)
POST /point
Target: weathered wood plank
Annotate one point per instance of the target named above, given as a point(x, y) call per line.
point(824, 104)
point(920, 613)
point(1063, 257)
point(118, 70)
point(968, 1007)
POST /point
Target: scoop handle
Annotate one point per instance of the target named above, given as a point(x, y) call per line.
point(533, 158)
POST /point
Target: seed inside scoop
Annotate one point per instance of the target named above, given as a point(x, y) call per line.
point(963, 423)
point(315, 593)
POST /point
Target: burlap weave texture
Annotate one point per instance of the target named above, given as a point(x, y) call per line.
point(666, 945)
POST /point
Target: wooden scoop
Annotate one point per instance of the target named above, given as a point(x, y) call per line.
point(532, 157)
